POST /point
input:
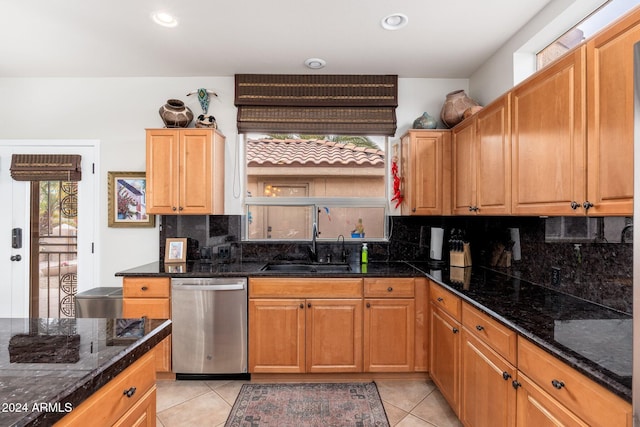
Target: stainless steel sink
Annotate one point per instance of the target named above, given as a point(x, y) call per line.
point(307, 268)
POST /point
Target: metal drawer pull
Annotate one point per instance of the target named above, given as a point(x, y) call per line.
point(440, 299)
point(130, 392)
point(506, 375)
point(301, 305)
point(389, 289)
point(455, 330)
point(479, 327)
point(144, 288)
point(557, 384)
point(368, 305)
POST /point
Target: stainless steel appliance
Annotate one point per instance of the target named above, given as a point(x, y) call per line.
point(209, 332)
point(100, 302)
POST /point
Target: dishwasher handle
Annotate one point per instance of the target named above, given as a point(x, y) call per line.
point(212, 287)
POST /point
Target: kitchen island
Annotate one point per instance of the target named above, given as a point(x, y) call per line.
point(49, 367)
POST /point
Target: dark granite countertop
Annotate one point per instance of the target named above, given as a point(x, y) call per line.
point(50, 366)
point(595, 340)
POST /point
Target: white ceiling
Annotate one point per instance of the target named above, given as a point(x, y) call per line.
point(117, 38)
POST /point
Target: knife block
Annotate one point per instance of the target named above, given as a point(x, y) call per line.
point(461, 258)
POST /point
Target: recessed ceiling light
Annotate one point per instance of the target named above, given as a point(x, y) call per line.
point(165, 19)
point(395, 21)
point(315, 63)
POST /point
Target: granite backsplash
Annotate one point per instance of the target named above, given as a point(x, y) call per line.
point(598, 272)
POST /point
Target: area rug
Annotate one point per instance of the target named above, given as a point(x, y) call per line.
point(312, 405)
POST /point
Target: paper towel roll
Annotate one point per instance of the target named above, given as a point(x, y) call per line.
point(515, 237)
point(435, 248)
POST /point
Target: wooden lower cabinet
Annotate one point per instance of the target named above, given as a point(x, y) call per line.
point(150, 297)
point(276, 335)
point(109, 406)
point(444, 358)
point(300, 335)
point(537, 409)
point(487, 397)
point(333, 335)
point(389, 335)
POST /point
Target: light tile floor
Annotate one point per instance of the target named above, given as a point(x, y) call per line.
point(408, 403)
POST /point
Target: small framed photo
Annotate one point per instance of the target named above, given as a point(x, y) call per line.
point(127, 192)
point(175, 250)
point(179, 267)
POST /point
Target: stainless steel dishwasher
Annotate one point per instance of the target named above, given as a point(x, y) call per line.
point(209, 332)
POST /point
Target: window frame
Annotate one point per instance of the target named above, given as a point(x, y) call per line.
point(315, 202)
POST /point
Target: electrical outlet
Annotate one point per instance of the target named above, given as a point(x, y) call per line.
point(555, 276)
point(224, 252)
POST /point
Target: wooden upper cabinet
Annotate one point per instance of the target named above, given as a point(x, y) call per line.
point(548, 139)
point(481, 159)
point(426, 172)
point(463, 176)
point(493, 158)
point(610, 101)
point(185, 171)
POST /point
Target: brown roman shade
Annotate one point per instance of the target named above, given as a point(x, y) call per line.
point(317, 104)
point(46, 167)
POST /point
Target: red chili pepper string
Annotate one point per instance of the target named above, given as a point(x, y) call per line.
point(397, 196)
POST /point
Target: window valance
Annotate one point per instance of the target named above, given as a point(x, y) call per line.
point(317, 104)
point(46, 167)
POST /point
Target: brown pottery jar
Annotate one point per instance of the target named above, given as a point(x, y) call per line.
point(454, 107)
point(175, 114)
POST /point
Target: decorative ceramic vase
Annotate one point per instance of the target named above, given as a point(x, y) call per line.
point(425, 121)
point(454, 107)
point(175, 114)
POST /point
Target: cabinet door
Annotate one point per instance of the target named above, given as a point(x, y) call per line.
point(422, 171)
point(537, 409)
point(493, 158)
point(487, 397)
point(143, 414)
point(334, 335)
point(195, 171)
point(463, 181)
point(610, 73)
point(276, 335)
point(548, 139)
point(153, 308)
point(163, 148)
point(444, 359)
point(389, 344)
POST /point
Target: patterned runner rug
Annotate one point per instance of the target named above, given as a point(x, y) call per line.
point(308, 405)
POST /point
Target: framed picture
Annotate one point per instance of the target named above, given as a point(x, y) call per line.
point(127, 192)
point(175, 250)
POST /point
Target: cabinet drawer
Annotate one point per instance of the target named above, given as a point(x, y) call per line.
point(146, 287)
point(110, 402)
point(591, 402)
point(445, 300)
point(291, 287)
point(389, 288)
point(153, 308)
point(497, 336)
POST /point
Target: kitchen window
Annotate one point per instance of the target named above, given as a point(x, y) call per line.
point(603, 16)
point(337, 183)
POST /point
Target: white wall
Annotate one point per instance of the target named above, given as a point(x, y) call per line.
point(116, 111)
point(515, 60)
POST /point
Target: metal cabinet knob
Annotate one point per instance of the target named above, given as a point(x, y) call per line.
point(440, 299)
point(557, 384)
point(301, 305)
point(130, 392)
point(144, 288)
point(455, 330)
point(515, 384)
point(174, 208)
point(506, 375)
point(587, 205)
point(390, 289)
point(368, 305)
point(575, 205)
point(479, 327)
point(309, 305)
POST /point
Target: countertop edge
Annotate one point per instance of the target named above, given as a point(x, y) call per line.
point(100, 376)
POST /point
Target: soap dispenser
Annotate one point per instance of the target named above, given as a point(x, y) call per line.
point(365, 254)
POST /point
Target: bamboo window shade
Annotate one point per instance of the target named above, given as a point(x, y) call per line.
point(317, 104)
point(46, 167)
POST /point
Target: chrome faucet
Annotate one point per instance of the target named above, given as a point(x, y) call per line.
point(314, 249)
